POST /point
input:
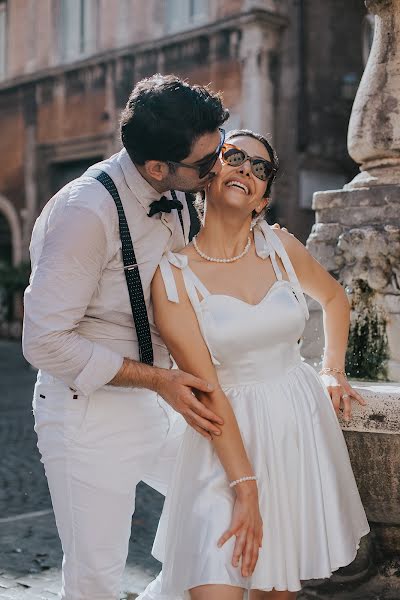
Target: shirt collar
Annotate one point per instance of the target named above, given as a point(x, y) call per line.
point(143, 191)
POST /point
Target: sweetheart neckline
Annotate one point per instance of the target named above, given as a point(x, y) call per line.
point(280, 281)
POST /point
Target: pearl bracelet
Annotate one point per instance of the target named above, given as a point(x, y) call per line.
point(327, 370)
point(233, 483)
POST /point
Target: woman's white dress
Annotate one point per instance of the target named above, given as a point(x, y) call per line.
point(311, 509)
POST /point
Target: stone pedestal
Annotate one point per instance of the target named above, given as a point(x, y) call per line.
point(357, 231)
point(373, 441)
point(356, 237)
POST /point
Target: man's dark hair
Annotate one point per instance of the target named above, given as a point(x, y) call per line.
point(165, 115)
point(261, 138)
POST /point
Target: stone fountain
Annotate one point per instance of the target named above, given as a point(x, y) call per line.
point(356, 236)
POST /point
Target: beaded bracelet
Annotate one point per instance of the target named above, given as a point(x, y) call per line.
point(327, 370)
point(233, 483)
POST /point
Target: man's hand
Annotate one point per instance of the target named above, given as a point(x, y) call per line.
point(176, 388)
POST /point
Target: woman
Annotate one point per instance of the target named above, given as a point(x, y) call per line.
point(272, 500)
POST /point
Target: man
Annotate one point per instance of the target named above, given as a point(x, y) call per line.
point(104, 391)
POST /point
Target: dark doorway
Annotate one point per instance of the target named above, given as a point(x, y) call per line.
point(63, 173)
point(5, 241)
point(6, 297)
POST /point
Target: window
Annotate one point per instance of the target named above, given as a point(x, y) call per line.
point(3, 38)
point(78, 27)
point(181, 14)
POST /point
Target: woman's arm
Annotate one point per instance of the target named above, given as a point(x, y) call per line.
point(320, 285)
point(180, 331)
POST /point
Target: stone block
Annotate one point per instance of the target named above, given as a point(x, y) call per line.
point(393, 370)
point(6, 583)
point(326, 232)
point(393, 335)
point(373, 441)
point(324, 253)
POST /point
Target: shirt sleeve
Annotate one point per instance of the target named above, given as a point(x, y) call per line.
point(61, 287)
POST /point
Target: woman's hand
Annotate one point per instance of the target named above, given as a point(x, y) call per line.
point(341, 393)
point(247, 526)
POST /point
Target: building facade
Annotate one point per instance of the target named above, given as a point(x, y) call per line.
point(288, 68)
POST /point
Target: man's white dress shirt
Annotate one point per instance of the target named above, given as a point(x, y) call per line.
point(78, 322)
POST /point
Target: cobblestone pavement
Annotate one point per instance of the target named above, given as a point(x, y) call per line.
point(30, 552)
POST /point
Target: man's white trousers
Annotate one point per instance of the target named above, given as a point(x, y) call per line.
point(95, 450)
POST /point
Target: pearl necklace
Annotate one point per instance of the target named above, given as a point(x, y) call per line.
point(222, 260)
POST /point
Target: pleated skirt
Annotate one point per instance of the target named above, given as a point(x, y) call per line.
point(312, 513)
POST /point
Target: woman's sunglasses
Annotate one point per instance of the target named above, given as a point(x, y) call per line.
point(204, 166)
point(260, 167)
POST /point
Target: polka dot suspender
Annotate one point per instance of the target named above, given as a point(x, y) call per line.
point(131, 269)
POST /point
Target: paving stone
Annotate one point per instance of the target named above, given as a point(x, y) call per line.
point(6, 582)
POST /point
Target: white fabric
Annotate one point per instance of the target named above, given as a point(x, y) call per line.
point(78, 323)
point(95, 450)
point(312, 513)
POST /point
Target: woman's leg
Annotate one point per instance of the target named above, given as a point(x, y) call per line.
point(273, 595)
point(216, 592)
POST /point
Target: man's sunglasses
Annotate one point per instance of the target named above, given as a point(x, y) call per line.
point(204, 166)
point(260, 167)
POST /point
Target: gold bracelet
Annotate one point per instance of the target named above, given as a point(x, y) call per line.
point(327, 370)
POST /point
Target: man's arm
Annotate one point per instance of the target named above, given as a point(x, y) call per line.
point(175, 387)
point(61, 287)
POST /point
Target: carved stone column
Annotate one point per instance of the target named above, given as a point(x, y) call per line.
point(356, 236)
point(374, 128)
point(357, 231)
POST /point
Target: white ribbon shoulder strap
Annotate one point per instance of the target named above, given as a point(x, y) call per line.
point(192, 285)
point(278, 247)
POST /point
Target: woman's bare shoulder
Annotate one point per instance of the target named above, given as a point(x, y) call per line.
point(289, 241)
point(296, 250)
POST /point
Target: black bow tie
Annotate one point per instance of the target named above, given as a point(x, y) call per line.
point(164, 204)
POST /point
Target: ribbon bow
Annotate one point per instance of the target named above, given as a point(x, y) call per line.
point(165, 205)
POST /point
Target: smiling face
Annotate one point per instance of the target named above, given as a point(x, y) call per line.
point(237, 188)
